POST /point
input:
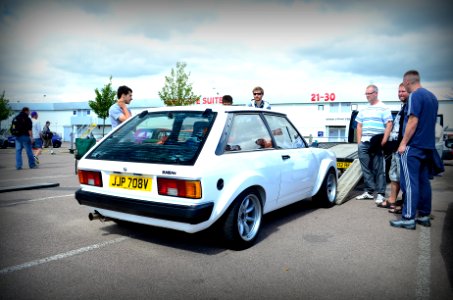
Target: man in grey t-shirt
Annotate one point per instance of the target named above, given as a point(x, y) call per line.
point(119, 112)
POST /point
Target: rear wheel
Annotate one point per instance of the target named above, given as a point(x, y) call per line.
point(327, 193)
point(243, 221)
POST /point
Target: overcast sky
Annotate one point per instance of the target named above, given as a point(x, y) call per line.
point(293, 49)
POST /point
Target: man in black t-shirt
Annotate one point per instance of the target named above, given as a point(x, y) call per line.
point(24, 139)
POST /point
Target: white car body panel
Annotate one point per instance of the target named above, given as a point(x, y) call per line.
point(281, 176)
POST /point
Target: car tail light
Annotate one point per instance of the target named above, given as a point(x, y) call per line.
point(90, 177)
point(179, 188)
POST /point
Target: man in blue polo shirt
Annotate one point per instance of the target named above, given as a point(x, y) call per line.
point(417, 149)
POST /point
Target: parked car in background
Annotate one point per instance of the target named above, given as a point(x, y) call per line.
point(220, 165)
point(3, 138)
point(56, 140)
point(11, 141)
point(447, 153)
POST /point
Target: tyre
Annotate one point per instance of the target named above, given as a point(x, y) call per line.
point(327, 193)
point(243, 221)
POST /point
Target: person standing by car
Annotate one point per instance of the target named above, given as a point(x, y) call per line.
point(227, 100)
point(373, 122)
point(120, 112)
point(37, 140)
point(24, 138)
point(396, 135)
point(418, 153)
point(47, 137)
point(257, 100)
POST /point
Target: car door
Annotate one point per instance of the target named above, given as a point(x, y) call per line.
point(298, 165)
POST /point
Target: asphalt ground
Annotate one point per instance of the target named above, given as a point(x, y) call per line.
point(50, 250)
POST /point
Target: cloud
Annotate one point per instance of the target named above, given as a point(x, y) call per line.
point(68, 48)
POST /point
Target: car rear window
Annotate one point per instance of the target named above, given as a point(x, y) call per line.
point(173, 137)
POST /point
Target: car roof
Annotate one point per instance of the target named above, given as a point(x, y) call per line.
point(214, 108)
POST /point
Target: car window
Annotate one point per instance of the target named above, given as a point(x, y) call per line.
point(161, 137)
point(284, 133)
point(248, 132)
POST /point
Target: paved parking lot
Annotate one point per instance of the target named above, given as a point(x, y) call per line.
point(50, 250)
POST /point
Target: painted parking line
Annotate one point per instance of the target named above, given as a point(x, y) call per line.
point(60, 256)
point(31, 178)
point(35, 200)
point(423, 290)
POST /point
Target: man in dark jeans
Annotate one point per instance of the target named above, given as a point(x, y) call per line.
point(24, 139)
point(374, 120)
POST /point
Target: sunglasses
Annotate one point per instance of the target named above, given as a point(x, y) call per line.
point(259, 94)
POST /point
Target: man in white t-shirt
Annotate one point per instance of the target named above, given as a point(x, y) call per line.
point(374, 124)
point(37, 138)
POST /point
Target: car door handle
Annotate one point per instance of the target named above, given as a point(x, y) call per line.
point(285, 157)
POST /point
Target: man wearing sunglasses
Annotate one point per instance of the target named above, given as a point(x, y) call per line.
point(257, 100)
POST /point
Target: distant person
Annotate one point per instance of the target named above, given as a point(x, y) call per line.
point(120, 112)
point(227, 100)
point(373, 129)
point(257, 100)
point(396, 135)
point(47, 137)
point(418, 153)
point(22, 130)
point(37, 139)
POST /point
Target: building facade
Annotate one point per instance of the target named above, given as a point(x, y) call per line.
point(324, 122)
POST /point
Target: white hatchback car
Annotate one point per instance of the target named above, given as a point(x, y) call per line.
point(188, 168)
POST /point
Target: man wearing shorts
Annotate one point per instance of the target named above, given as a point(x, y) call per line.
point(396, 135)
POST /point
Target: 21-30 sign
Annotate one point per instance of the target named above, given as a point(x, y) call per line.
point(322, 97)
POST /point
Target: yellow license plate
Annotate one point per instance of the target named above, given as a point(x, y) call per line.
point(136, 183)
point(343, 164)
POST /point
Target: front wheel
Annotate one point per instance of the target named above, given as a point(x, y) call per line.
point(327, 193)
point(243, 221)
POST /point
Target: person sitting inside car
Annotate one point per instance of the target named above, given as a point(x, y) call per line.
point(263, 143)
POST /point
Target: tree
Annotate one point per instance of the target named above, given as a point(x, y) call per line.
point(177, 91)
point(104, 100)
point(5, 109)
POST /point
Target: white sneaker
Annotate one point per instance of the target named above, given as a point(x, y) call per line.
point(379, 199)
point(364, 196)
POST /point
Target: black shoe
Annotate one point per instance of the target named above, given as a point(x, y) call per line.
point(424, 221)
point(403, 223)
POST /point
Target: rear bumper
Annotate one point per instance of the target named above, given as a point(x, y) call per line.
point(171, 212)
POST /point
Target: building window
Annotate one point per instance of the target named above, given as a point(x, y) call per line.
point(320, 107)
point(343, 107)
point(337, 134)
point(74, 113)
point(334, 107)
point(88, 112)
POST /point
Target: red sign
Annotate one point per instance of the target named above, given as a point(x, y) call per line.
point(315, 97)
point(210, 100)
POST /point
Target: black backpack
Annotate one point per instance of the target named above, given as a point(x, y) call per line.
point(18, 126)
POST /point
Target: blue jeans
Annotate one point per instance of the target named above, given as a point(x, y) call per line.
point(22, 142)
point(373, 169)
